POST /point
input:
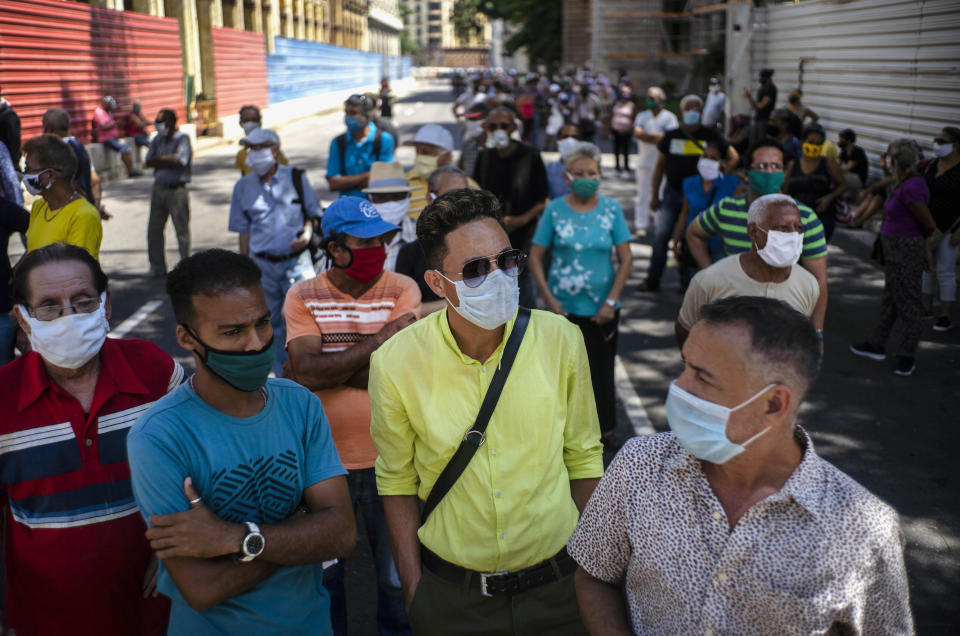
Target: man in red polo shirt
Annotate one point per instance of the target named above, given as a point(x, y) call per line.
point(77, 558)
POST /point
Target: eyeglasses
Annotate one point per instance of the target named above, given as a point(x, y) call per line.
point(500, 126)
point(52, 312)
point(475, 271)
point(767, 167)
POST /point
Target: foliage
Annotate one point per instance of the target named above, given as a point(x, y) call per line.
point(465, 15)
point(408, 44)
point(714, 62)
point(537, 26)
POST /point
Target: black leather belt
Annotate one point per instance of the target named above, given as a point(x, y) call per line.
point(502, 583)
point(281, 258)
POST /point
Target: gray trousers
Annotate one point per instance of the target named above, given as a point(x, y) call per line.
point(168, 202)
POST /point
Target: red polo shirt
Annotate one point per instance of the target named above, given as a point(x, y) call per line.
point(75, 546)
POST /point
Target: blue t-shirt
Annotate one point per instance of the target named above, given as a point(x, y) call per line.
point(698, 201)
point(358, 157)
point(246, 469)
point(558, 185)
point(581, 272)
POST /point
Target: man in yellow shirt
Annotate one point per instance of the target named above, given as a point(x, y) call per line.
point(61, 213)
point(250, 120)
point(517, 501)
point(434, 145)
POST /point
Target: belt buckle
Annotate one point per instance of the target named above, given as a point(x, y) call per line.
point(483, 582)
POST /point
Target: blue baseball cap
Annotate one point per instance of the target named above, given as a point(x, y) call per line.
point(356, 217)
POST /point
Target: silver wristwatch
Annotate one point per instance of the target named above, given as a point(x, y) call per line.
point(611, 303)
point(253, 543)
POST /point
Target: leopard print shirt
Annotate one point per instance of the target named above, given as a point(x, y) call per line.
point(821, 556)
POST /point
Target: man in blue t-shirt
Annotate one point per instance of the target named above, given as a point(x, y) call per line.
point(353, 152)
point(237, 475)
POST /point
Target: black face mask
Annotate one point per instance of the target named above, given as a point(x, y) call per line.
point(773, 130)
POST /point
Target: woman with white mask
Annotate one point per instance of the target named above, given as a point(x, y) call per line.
point(942, 175)
point(389, 192)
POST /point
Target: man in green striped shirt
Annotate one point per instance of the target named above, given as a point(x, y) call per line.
point(728, 219)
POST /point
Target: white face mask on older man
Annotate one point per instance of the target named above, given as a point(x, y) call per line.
point(260, 160)
point(783, 249)
point(70, 341)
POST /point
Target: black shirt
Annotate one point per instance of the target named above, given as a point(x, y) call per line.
point(770, 89)
point(682, 151)
point(13, 218)
point(520, 182)
point(82, 176)
point(859, 158)
point(944, 194)
point(412, 262)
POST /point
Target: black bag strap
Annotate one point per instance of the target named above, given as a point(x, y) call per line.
point(298, 186)
point(476, 436)
point(342, 147)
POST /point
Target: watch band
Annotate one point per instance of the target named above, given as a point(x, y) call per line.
point(610, 302)
point(253, 543)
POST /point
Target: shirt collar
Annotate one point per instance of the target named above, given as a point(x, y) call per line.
point(114, 369)
point(370, 134)
point(451, 342)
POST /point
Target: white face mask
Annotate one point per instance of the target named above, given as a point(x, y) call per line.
point(393, 211)
point(474, 129)
point(69, 341)
point(490, 304)
point(709, 169)
point(32, 183)
point(260, 161)
point(942, 150)
point(783, 249)
point(249, 126)
point(565, 146)
point(161, 129)
point(425, 164)
point(498, 139)
point(701, 426)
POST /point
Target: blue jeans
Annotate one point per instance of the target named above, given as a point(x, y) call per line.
point(277, 279)
point(115, 145)
point(670, 206)
point(391, 615)
point(8, 334)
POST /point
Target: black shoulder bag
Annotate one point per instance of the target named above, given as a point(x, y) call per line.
point(315, 245)
point(476, 436)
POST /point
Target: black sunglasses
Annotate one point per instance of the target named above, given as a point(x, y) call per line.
point(475, 271)
point(501, 126)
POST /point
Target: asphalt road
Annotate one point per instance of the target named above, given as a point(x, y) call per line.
point(897, 436)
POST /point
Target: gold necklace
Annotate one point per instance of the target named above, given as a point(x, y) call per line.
point(73, 197)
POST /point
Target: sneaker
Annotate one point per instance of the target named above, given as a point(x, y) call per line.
point(135, 173)
point(928, 315)
point(649, 285)
point(943, 324)
point(906, 365)
point(867, 350)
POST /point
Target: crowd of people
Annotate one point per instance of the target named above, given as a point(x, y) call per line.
point(431, 358)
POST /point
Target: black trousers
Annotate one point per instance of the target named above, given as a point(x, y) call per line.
point(621, 146)
point(601, 343)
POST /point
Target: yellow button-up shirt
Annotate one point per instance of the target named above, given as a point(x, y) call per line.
point(511, 507)
point(418, 196)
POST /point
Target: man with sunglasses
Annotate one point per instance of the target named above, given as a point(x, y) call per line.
point(334, 322)
point(490, 557)
point(77, 558)
point(514, 172)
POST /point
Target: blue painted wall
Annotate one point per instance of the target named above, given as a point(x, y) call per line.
point(300, 68)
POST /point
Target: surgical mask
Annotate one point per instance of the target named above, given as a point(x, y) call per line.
point(942, 150)
point(70, 341)
point(691, 117)
point(366, 263)
point(260, 161)
point(499, 139)
point(161, 128)
point(765, 182)
point(489, 305)
point(32, 183)
point(243, 370)
point(474, 129)
point(701, 426)
point(425, 164)
point(249, 126)
point(709, 169)
point(393, 211)
point(652, 103)
point(353, 124)
point(783, 249)
point(812, 150)
point(565, 146)
point(583, 187)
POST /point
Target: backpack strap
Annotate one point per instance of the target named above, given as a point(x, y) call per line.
point(342, 146)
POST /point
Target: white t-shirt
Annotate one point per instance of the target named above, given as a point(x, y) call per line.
point(659, 123)
point(726, 278)
point(713, 109)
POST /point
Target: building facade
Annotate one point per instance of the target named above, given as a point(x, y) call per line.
point(431, 26)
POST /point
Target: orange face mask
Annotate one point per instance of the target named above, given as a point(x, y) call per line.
point(812, 150)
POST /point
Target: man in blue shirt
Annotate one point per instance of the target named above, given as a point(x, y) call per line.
point(171, 158)
point(353, 152)
point(237, 475)
point(270, 209)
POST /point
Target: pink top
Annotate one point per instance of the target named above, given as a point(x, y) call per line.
point(103, 118)
point(622, 120)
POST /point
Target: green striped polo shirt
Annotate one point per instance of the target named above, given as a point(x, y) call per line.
point(728, 218)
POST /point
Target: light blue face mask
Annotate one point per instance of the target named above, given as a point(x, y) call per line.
point(701, 426)
point(691, 117)
point(490, 304)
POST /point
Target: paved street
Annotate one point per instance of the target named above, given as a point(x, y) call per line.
point(897, 436)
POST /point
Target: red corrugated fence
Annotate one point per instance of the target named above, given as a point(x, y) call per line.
point(58, 53)
point(240, 69)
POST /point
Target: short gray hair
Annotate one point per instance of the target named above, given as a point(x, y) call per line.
point(691, 98)
point(658, 93)
point(433, 181)
point(583, 150)
point(906, 153)
point(759, 208)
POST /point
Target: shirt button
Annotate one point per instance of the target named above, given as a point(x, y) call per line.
point(709, 632)
point(499, 493)
point(88, 443)
point(722, 577)
point(503, 535)
point(717, 515)
point(493, 451)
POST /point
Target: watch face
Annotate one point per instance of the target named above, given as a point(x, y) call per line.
point(253, 544)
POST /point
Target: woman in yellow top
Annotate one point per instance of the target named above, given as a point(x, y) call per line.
point(61, 214)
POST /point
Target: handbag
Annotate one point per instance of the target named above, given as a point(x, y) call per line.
point(476, 436)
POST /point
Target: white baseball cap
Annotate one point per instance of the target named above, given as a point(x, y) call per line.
point(435, 135)
point(261, 136)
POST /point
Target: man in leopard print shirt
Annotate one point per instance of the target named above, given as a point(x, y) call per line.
point(731, 523)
